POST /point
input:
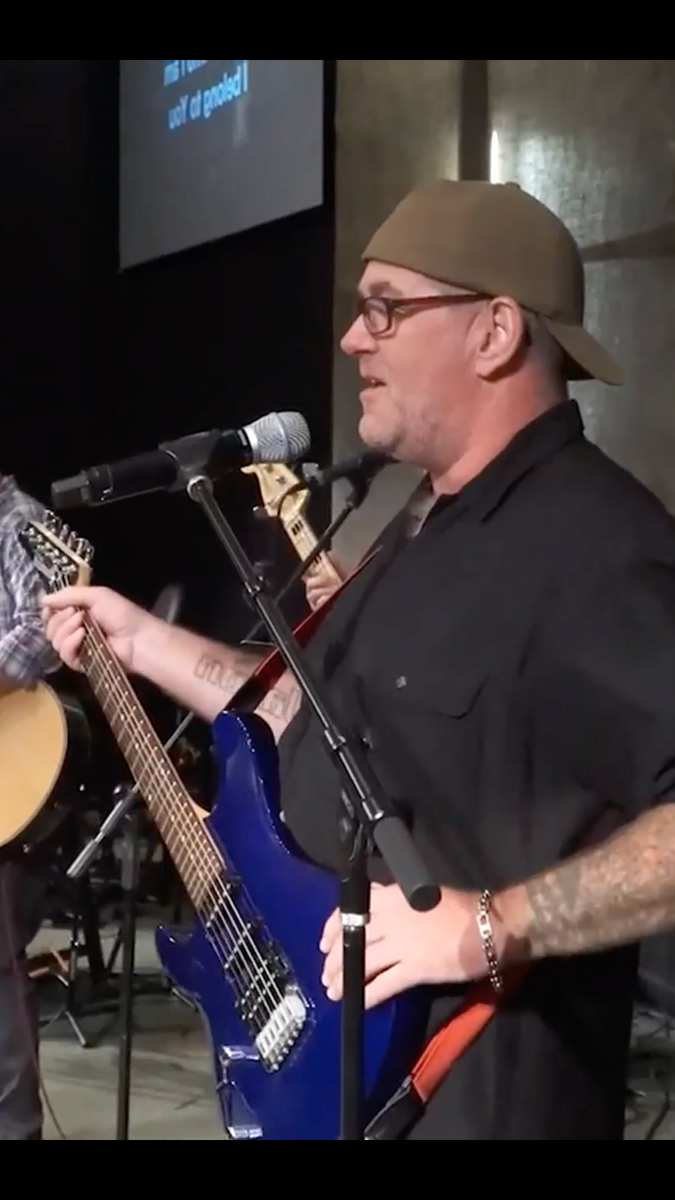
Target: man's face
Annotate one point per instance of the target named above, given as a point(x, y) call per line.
point(417, 375)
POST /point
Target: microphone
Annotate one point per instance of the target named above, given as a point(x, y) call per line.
point(276, 437)
point(360, 470)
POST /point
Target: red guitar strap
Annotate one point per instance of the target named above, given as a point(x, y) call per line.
point(268, 673)
point(443, 1049)
point(481, 1003)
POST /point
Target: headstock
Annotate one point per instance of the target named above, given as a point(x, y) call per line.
point(61, 556)
point(275, 481)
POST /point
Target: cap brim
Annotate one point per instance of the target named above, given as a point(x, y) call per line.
point(588, 359)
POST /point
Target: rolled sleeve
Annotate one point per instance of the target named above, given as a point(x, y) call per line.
point(603, 685)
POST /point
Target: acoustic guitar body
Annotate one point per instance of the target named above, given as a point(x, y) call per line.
point(44, 744)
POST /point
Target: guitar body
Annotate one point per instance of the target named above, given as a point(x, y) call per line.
point(300, 1100)
point(44, 744)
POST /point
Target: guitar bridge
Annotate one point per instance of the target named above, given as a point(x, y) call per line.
point(282, 1030)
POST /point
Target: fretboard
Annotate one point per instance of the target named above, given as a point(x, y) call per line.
point(170, 804)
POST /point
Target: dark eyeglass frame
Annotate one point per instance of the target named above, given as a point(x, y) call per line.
point(389, 307)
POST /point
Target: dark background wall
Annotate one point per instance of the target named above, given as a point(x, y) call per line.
point(95, 365)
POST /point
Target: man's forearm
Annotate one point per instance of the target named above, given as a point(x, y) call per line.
point(224, 670)
point(616, 893)
point(204, 675)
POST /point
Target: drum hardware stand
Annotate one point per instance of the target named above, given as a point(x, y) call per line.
point(64, 967)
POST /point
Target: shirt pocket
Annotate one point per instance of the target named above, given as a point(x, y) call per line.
point(425, 741)
point(425, 732)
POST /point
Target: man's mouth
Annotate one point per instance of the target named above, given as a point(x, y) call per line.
point(371, 382)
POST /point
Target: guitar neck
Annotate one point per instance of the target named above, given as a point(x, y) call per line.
point(170, 804)
point(304, 542)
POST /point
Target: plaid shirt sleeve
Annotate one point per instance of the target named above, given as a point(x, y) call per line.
point(25, 653)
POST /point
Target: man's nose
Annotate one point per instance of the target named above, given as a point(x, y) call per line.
point(357, 339)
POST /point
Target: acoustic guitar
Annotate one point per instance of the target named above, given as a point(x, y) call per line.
point(44, 745)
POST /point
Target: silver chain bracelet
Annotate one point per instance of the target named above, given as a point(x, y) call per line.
point(485, 930)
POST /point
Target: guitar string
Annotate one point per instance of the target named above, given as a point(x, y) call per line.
point(170, 826)
point(244, 944)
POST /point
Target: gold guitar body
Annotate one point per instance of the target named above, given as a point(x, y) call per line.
point(44, 745)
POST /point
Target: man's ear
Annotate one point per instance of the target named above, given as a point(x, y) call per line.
point(502, 337)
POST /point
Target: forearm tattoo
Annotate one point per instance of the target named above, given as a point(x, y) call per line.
point(281, 701)
point(617, 893)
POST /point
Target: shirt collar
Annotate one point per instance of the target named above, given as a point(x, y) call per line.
point(538, 441)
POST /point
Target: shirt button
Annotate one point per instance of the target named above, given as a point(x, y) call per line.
point(402, 681)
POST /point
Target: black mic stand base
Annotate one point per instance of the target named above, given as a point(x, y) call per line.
point(354, 914)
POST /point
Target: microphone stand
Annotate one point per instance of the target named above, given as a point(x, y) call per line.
point(369, 818)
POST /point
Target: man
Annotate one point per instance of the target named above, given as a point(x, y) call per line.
point(508, 658)
point(25, 656)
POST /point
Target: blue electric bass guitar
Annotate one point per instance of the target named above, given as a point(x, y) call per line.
point(251, 964)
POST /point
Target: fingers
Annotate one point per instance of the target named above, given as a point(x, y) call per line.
point(333, 928)
point(319, 587)
point(72, 597)
point(380, 956)
point(331, 931)
point(65, 631)
point(318, 594)
point(388, 984)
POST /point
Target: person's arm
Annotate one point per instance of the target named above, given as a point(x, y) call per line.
point(619, 892)
point(25, 652)
point(200, 674)
point(204, 675)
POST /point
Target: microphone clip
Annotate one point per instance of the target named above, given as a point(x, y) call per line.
point(359, 471)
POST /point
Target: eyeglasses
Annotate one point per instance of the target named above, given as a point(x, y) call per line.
point(378, 312)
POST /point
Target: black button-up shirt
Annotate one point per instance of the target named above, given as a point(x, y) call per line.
point(512, 670)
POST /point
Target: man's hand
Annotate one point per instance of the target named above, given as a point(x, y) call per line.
point(321, 584)
point(119, 619)
point(405, 948)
